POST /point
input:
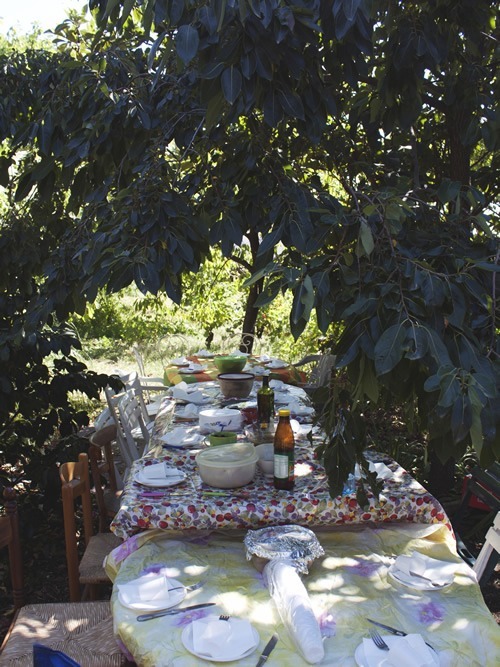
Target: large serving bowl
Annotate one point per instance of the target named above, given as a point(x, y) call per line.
point(236, 385)
point(227, 466)
point(212, 420)
point(230, 363)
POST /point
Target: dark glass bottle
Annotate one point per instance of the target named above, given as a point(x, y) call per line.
point(284, 445)
point(265, 404)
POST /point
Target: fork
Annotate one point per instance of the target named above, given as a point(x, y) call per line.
point(193, 587)
point(378, 641)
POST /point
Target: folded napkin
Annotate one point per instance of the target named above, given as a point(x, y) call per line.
point(299, 409)
point(203, 354)
point(437, 572)
point(150, 589)
point(293, 603)
point(222, 640)
point(383, 471)
point(158, 471)
point(256, 370)
point(190, 411)
point(182, 392)
point(277, 385)
point(264, 357)
point(277, 363)
point(410, 651)
point(180, 361)
point(193, 368)
point(180, 436)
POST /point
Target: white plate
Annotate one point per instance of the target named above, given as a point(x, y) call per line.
point(192, 371)
point(161, 482)
point(187, 640)
point(416, 583)
point(276, 363)
point(174, 598)
point(361, 661)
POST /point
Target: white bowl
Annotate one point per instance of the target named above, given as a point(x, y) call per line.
point(227, 466)
point(212, 420)
point(265, 452)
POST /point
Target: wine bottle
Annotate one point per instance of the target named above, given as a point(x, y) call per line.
point(284, 459)
point(265, 404)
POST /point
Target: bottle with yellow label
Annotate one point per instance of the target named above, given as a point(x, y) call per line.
point(284, 454)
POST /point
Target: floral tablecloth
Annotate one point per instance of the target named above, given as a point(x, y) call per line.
point(195, 505)
point(347, 585)
point(174, 375)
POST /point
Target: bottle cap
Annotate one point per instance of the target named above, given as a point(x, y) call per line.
point(283, 413)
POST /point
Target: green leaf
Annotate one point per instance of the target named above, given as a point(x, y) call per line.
point(231, 83)
point(389, 349)
point(187, 41)
point(366, 237)
point(291, 104)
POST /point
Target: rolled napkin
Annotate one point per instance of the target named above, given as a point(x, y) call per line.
point(277, 385)
point(149, 590)
point(222, 640)
point(437, 572)
point(293, 603)
point(410, 651)
point(181, 436)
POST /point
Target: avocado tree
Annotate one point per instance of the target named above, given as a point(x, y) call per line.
point(352, 145)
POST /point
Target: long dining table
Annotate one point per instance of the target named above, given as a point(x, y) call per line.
point(195, 535)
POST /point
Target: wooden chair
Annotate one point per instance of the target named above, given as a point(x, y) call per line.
point(106, 479)
point(89, 572)
point(81, 630)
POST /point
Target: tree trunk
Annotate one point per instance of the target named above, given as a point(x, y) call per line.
point(251, 312)
point(441, 476)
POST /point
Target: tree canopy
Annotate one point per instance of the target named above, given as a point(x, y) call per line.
point(352, 144)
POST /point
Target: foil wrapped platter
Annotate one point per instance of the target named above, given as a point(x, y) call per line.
point(295, 543)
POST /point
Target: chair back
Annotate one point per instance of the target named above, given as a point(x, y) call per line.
point(9, 537)
point(105, 476)
point(489, 554)
point(75, 482)
point(131, 418)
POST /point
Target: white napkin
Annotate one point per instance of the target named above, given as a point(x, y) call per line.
point(237, 353)
point(293, 603)
point(182, 392)
point(203, 353)
point(435, 571)
point(383, 471)
point(410, 651)
point(158, 471)
point(277, 385)
point(190, 411)
point(193, 368)
point(264, 357)
point(151, 587)
point(180, 361)
point(299, 409)
point(277, 363)
point(225, 640)
point(182, 436)
point(256, 370)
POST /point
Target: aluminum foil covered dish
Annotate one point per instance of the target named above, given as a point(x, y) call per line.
point(295, 543)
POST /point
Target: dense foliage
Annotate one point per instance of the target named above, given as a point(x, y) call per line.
point(352, 146)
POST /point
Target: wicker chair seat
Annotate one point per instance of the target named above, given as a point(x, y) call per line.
point(82, 630)
point(91, 566)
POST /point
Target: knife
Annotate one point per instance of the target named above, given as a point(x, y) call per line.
point(265, 653)
point(171, 612)
point(393, 631)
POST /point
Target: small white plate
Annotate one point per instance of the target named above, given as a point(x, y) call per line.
point(416, 583)
point(174, 598)
point(161, 482)
point(361, 661)
point(187, 640)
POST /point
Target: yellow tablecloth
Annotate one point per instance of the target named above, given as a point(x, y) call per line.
point(347, 585)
